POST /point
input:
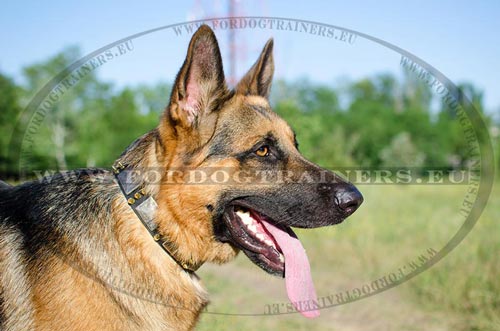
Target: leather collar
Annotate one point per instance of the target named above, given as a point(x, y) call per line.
point(144, 207)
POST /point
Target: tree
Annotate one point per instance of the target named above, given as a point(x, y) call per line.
point(55, 137)
point(470, 100)
point(9, 110)
point(402, 152)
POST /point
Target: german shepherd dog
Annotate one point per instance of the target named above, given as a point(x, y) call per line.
point(114, 250)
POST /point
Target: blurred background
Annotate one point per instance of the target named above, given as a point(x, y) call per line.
point(351, 103)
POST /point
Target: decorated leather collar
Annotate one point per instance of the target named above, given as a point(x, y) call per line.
point(144, 207)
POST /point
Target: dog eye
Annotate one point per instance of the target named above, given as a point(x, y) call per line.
point(263, 151)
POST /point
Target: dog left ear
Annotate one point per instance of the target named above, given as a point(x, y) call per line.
point(257, 80)
point(200, 83)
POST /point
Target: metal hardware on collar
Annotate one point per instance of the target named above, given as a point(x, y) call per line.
point(118, 167)
point(144, 207)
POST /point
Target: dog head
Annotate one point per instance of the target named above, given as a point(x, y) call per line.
point(235, 167)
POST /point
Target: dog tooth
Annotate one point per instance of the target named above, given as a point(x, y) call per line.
point(252, 228)
point(260, 236)
point(246, 221)
point(282, 258)
point(243, 212)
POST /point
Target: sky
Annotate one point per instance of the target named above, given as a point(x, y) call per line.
point(458, 38)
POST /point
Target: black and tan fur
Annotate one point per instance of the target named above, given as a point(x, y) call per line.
point(73, 256)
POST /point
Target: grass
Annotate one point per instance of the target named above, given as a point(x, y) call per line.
point(394, 226)
point(468, 281)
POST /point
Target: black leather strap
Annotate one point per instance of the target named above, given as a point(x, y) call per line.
point(144, 207)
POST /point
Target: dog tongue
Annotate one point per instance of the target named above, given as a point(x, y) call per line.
point(298, 280)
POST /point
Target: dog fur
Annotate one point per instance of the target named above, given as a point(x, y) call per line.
point(74, 256)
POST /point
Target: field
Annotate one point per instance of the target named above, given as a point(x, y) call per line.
point(395, 225)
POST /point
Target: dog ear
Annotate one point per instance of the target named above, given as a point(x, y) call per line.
point(257, 80)
point(200, 84)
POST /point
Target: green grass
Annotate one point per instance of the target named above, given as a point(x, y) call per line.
point(468, 280)
point(394, 226)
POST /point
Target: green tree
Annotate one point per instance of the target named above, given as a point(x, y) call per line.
point(93, 121)
point(9, 110)
point(56, 140)
point(401, 152)
point(470, 99)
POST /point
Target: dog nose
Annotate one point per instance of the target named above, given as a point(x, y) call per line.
point(348, 198)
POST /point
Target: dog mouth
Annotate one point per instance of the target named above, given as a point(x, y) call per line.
point(248, 232)
point(276, 249)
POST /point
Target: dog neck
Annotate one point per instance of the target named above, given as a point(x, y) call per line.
point(134, 180)
point(163, 288)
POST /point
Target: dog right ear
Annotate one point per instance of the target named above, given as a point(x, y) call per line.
point(200, 85)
